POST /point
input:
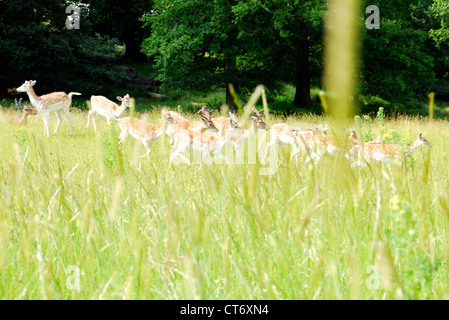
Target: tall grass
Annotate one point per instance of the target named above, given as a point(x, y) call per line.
point(158, 231)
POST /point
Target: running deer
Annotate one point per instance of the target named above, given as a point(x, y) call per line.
point(221, 123)
point(205, 143)
point(307, 142)
point(257, 122)
point(331, 145)
point(282, 133)
point(143, 131)
point(52, 102)
point(184, 124)
point(393, 152)
point(104, 107)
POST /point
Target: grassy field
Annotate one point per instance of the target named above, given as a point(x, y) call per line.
point(83, 207)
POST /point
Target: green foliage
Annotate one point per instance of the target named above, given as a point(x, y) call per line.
point(192, 42)
point(392, 57)
point(35, 44)
point(21, 139)
point(439, 10)
point(198, 44)
point(111, 152)
point(122, 21)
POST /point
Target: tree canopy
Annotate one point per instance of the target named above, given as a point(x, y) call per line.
point(202, 45)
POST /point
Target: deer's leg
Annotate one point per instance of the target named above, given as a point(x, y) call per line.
point(273, 141)
point(220, 155)
point(295, 151)
point(146, 143)
point(94, 120)
point(58, 114)
point(179, 152)
point(123, 135)
point(88, 118)
point(69, 118)
point(45, 117)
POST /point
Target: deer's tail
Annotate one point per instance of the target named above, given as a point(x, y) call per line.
point(73, 93)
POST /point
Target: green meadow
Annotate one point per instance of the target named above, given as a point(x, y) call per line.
point(84, 217)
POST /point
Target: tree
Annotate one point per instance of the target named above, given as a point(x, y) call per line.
point(197, 43)
point(439, 11)
point(397, 64)
point(35, 44)
point(298, 26)
point(193, 43)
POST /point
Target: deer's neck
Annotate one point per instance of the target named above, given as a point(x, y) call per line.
point(23, 117)
point(249, 131)
point(199, 129)
point(226, 138)
point(34, 98)
point(162, 127)
point(119, 111)
point(413, 147)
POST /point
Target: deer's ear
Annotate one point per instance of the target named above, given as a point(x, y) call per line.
point(32, 82)
point(119, 98)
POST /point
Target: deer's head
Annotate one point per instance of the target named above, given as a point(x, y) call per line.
point(29, 110)
point(206, 117)
point(422, 140)
point(26, 86)
point(352, 134)
point(126, 100)
point(234, 123)
point(169, 118)
point(259, 122)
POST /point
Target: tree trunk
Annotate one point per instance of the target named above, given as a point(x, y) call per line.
point(230, 70)
point(230, 99)
point(302, 76)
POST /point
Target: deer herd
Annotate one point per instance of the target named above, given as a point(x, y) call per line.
point(213, 134)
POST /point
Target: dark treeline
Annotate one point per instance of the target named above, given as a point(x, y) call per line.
point(201, 45)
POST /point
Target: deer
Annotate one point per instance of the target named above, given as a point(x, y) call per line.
point(26, 111)
point(377, 141)
point(257, 122)
point(184, 124)
point(282, 133)
point(52, 102)
point(147, 133)
point(202, 142)
point(331, 145)
point(221, 123)
point(393, 152)
point(307, 142)
point(103, 106)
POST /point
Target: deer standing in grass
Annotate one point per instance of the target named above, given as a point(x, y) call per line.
point(143, 131)
point(393, 152)
point(52, 102)
point(197, 141)
point(26, 111)
point(104, 107)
